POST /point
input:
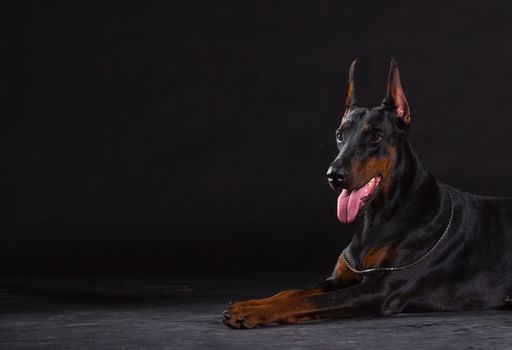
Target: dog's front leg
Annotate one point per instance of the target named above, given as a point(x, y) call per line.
point(365, 298)
point(342, 277)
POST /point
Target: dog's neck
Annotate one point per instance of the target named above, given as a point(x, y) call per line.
point(411, 186)
point(405, 221)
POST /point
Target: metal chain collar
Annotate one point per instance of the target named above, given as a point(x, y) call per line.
point(398, 268)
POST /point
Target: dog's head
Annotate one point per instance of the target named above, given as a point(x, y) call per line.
point(368, 140)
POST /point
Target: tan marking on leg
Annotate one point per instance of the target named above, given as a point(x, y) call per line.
point(287, 310)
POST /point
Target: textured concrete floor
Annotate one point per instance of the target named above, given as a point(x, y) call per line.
point(174, 312)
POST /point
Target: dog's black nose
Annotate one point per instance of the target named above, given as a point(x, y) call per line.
point(336, 176)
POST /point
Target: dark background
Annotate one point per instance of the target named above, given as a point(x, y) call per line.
point(194, 136)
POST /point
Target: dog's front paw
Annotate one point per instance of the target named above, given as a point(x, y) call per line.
point(241, 318)
point(244, 316)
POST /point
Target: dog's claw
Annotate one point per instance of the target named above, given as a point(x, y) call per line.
point(240, 322)
point(232, 325)
point(244, 325)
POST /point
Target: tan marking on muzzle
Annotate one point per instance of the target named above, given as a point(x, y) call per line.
point(373, 166)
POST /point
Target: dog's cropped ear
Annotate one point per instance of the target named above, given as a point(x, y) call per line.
point(395, 97)
point(351, 99)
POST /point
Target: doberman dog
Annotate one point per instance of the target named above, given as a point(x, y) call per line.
point(422, 245)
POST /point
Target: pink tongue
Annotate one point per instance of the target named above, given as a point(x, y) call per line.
point(349, 203)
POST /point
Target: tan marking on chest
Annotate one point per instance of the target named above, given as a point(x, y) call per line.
point(377, 256)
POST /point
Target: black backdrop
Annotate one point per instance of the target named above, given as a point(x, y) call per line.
point(178, 136)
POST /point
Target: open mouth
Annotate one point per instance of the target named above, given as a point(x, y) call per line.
point(350, 203)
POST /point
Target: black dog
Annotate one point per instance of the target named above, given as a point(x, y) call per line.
point(422, 246)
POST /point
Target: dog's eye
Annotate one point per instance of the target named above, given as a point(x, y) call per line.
point(375, 138)
point(339, 136)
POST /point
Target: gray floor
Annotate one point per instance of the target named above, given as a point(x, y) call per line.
point(178, 312)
